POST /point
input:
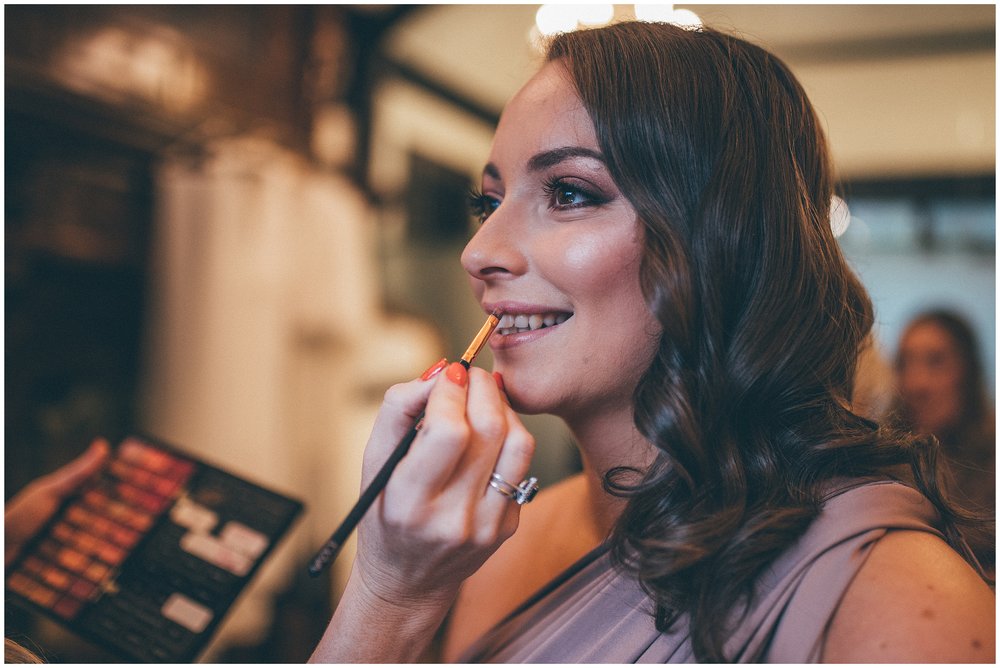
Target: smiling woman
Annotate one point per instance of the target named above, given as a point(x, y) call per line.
point(655, 227)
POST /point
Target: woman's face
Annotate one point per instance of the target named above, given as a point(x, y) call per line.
point(559, 251)
point(930, 372)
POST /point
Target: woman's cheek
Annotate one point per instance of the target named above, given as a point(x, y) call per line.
point(610, 261)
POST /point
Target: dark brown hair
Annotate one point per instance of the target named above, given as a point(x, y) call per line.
point(717, 147)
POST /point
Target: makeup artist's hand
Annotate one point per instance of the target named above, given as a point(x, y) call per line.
point(437, 520)
point(33, 506)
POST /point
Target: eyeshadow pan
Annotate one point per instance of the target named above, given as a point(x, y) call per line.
point(41, 595)
point(96, 571)
point(86, 543)
point(21, 583)
point(110, 554)
point(158, 461)
point(188, 613)
point(64, 532)
point(125, 538)
point(164, 486)
point(72, 560)
point(83, 589)
point(68, 607)
point(33, 565)
point(55, 578)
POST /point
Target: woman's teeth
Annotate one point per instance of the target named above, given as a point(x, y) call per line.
point(514, 324)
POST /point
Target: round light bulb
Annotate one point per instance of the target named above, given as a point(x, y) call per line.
point(840, 216)
point(595, 15)
point(654, 13)
point(552, 19)
point(685, 18)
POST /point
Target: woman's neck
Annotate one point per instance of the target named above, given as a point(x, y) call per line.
point(605, 442)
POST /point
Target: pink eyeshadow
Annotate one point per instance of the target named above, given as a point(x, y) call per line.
point(132, 452)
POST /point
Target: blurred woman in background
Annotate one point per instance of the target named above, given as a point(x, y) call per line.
point(942, 391)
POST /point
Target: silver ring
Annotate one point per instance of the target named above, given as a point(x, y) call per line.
point(521, 494)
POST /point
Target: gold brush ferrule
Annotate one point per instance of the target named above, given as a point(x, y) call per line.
point(481, 338)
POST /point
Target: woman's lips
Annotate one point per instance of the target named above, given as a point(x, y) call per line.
point(516, 329)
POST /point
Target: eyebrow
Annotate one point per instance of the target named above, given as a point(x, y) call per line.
point(546, 159)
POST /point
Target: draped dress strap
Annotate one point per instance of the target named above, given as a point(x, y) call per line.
point(594, 613)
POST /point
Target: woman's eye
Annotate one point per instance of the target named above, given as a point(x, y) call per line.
point(481, 206)
point(564, 195)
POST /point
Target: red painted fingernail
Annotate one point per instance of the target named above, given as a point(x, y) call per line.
point(499, 379)
point(457, 374)
point(435, 369)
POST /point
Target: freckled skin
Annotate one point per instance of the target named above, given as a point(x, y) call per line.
point(914, 601)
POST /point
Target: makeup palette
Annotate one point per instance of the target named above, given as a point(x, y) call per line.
point(147, 559)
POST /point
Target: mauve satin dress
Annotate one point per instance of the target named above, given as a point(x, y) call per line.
point(594, 614)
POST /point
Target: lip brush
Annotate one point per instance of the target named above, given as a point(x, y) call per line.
point(329, 551)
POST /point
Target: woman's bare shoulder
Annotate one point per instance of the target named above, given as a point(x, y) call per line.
point(548, 540)
point(915, 600)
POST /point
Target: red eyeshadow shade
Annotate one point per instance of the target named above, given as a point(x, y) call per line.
point(67, 607)
point(83, 589)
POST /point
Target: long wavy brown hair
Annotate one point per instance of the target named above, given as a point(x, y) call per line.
point(717, 147)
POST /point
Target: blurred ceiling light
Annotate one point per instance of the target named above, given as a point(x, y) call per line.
point(113, 62)
point(840, 216)
point(552, 19)
point(595, 15)
point(684, 18)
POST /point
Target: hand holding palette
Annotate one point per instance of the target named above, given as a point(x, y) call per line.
point(148, 558)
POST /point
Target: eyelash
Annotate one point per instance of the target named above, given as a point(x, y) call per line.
point(482, 205)
point(554, 186)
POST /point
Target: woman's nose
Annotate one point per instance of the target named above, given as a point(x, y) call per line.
point(496, 250)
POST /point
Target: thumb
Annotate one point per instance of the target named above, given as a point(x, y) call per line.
point(65, 480)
